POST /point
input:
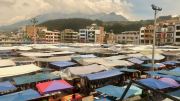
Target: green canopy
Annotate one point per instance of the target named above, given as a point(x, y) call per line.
point(34, 78)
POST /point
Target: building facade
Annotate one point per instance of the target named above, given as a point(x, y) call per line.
point(51, 36)
point(110, 38)
point(165, 34)
point(146, 35)
point(69, 36)
point(92, 34)
point(177, 34)
point(128, 37)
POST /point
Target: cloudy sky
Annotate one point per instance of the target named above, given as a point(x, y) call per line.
point(16, 10)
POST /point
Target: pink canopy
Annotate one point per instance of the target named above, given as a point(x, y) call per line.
point(52, 86)
point(170, 81)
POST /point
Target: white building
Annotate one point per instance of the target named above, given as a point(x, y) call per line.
point(177, 34)
point(92, 34)
point(52, 36)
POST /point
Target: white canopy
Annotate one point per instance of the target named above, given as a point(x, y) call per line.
point(18, 70)
point(156, 57)
point(35, 54)
point(74, 72)
point(54, 59)
point(117, 57)
point(6, 63)
point(105, 62)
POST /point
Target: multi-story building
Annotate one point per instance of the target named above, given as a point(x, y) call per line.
point(177, 34)
point(31, 30)
point(51, 36)
point(69, 36)
point(92, 34)
point(165, 34)
point(110, 38)
point(146, 35)
point(128, 37)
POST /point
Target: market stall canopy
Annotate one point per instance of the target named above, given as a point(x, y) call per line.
point(156, 65)
point(170, 82)
point(75, 72)
point(156, 73)
point(117, 57)
point(35, 78)
point(86, 56)
point(21, 96)
point(23, 48)
point(6, 63)
point(62, 64)
point(116, 91)
point(62, 53)
point(6, 86)
point(156, 57)
point(170, 62)
point(104, 74)
point(173, 73)
point(35, 54)
point(18, 70)
point(137, 55)
point(128, 70)
point(135, 60)
point(155, 84)
point(53, 59)
point(52, 86)
point(105, 62)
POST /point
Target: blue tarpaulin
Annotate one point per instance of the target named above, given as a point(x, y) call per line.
point(21, 96)
point(135, 60)
point(63, 64)
point(177, 69)
point(173, 73)
point(116, 91)
point(175, 94)
point(170, 62)
point(155, 84)
point(155, 73)
point(6, 86)
point(104, 74)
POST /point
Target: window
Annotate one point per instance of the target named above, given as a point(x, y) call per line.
point(177, 39)
point(142, 36)
point(177, 33)
point(142, 31)
point(178, 27)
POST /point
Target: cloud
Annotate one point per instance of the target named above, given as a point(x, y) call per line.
point(16, 10)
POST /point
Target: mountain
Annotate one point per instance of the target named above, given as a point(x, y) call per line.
point(56, 15)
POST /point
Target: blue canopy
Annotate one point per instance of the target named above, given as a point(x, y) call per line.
point(21, 96)
point(173, 73)
point(170, 62)
point(155, 84)
point(175, 94)
point(135, 60)
point(155, 73)
point(116, 91)
point(104, 74)
point(63, 64)
point(6, 86)
point(177, 69)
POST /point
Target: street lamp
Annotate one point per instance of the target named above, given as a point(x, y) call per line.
point(156, 9)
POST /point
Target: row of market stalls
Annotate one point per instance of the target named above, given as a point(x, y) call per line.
point(88, 72)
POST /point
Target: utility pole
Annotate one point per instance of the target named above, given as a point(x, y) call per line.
point(34, 21)
point(156, 9)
